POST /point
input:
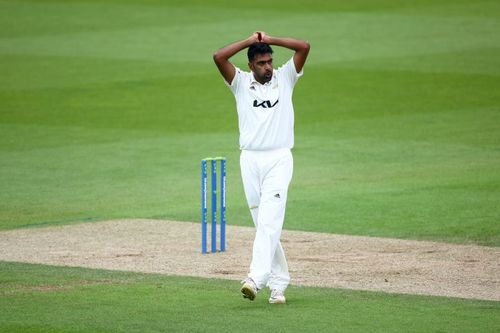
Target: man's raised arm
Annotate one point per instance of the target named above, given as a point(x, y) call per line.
point(222, 55)
point(301, 48)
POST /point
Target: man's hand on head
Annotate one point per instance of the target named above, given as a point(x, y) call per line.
point(260, 36)
point(264, 37)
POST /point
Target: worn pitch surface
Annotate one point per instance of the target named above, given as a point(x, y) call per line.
point(315, 259)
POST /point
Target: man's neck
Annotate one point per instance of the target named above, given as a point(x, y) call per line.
point(256, 79)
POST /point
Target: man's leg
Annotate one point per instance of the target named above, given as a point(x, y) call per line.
point(251, 185)
point(270, 218)
point(280, 277)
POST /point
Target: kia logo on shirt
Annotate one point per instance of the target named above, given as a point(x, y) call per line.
point(264, 104)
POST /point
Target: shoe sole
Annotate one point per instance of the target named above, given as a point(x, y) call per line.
point(248, 292)
point(278, 301)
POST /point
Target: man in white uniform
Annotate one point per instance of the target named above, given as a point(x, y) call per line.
point(266, 121)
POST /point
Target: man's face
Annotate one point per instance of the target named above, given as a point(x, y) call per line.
point(262, 67)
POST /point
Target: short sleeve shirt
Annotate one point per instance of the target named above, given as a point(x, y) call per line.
point(265, 111)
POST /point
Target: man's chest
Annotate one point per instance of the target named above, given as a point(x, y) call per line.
point(262, 97)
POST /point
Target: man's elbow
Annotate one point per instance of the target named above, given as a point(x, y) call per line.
point(217, 57)
point(306, 46)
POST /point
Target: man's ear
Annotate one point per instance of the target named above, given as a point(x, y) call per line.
point(250, 66)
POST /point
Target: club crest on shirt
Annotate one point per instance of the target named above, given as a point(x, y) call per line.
point(264, 104)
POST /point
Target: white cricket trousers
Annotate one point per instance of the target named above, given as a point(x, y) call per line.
point(266, 176)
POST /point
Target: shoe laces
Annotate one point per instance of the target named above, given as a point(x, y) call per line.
point(276, 293)
point(251, 282)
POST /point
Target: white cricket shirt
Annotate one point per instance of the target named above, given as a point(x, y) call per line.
point(265, 111)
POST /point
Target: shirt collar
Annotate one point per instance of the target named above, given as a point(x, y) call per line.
point(253, 81)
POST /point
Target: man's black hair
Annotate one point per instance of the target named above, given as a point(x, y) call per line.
point(258, 48)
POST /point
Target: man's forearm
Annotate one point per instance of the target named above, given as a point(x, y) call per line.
point(301, 48)
point(230, 50)
point(290, 43)
point(222, 55)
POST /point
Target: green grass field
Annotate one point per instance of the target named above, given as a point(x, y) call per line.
point(49, 299)
point(107, 107)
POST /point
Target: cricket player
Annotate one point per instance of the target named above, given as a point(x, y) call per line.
point(266, 123)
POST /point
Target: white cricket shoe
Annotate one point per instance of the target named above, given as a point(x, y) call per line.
point(249, 289)
point(277, 297)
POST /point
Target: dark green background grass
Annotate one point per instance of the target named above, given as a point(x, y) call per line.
point(108, 106)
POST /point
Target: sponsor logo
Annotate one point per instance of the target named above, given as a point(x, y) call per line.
point(264, 104)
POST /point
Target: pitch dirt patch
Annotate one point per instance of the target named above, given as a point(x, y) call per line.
point(315, 259)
